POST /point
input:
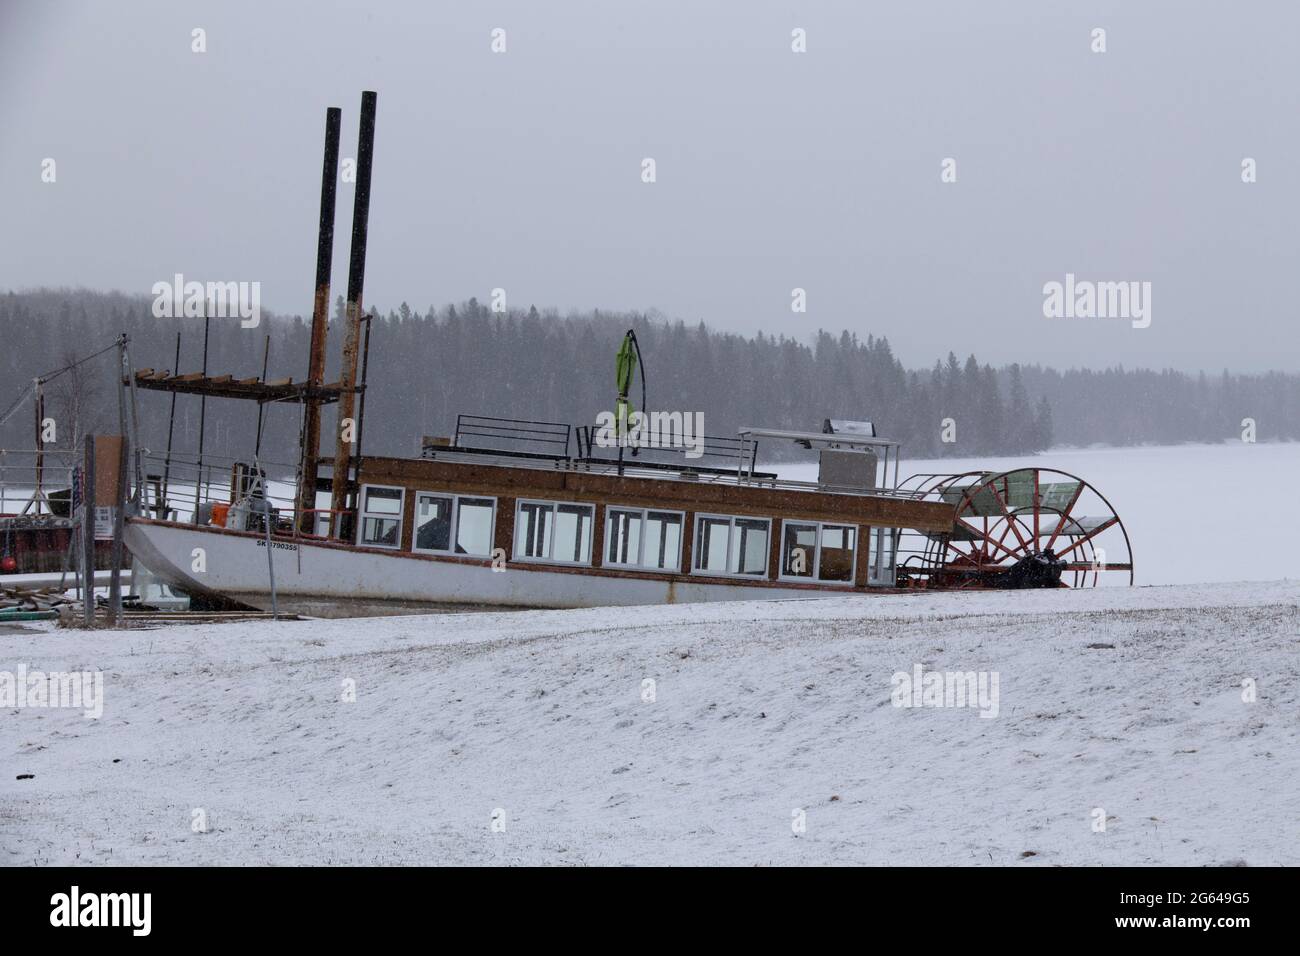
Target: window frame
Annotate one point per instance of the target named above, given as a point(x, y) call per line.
point(363, 514)
point(817, 553)
point(731, 529)
point(884, 542)
point(675, 568)
point(554, 505)
point(456, 498)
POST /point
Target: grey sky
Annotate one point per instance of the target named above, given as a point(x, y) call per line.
point(775, 170)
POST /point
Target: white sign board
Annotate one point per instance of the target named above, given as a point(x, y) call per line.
point(103, 523)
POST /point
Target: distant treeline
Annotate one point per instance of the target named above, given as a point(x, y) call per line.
point(427, 367)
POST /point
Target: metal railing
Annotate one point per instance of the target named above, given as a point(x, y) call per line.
point(547, 439)
point(37, 482)
point(181, 485)
point(629, 468)
point(184, 489)
point(719, 455)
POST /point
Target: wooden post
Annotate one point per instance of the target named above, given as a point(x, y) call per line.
point(352, 329)
point(310, 463)
point(88, 532)
point(106, 479)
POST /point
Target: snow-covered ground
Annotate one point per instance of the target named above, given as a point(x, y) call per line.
point(760, 712)
point(1193, 512)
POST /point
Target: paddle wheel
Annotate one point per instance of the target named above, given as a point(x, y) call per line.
point(1028, 528)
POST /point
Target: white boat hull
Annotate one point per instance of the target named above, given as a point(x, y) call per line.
point(325, 578)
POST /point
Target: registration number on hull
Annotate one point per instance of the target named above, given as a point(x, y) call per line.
point(279, 545)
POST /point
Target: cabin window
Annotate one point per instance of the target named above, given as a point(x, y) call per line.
point(453, 524)
point(643, 539)
point(799, 550)
point(880, 572)
point(812, 551)
point(728, 545)
point(837, 552)
point(433, 519)
point(381, 517)
point(554, 531)
point(474, 525)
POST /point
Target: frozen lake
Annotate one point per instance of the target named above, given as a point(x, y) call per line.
point(1194, 513)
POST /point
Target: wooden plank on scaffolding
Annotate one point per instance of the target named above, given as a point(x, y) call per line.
point(227, 386)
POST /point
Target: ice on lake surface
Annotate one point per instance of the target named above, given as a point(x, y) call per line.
point(1194, 513)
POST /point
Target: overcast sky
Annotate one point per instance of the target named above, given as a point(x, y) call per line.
point(775, 170)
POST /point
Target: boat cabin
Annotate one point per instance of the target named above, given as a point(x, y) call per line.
point(538, 494)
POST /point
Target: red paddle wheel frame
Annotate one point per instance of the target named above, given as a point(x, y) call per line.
point(1004, 518)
